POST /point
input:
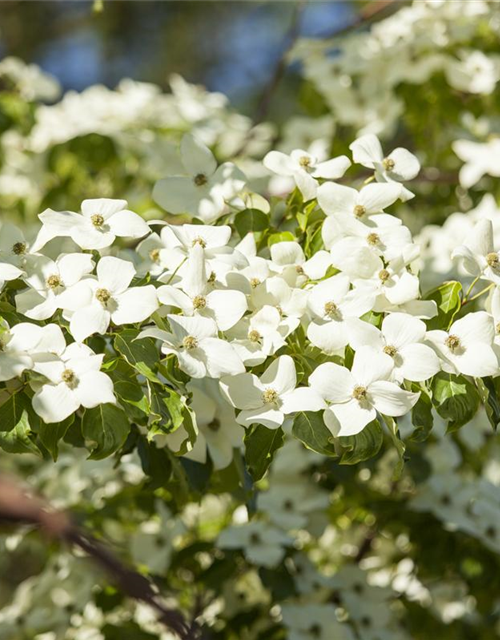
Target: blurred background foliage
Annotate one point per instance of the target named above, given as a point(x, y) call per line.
point(230, 46)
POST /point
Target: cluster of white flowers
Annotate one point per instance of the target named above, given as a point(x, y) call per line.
point(222, 309)
point(360, 81)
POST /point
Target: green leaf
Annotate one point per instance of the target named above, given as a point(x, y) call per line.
point(261, 444)
point(489, 389)
point(314, 241)
point(311, 430)
point(421, 416)
point(19, 439)
point(448, 300)
point(12, 410)
point(392, 427)
point(50, 434)
point(105, 429)
point(141, 354)
point(455, 399)
point(363, 445)
point(156, 463)
point(283, 236)
point(250, 220)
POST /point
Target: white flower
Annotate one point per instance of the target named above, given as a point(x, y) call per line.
point(473, 72)
point(23, 342)
point(467, 346)
point(478, 254)
point(314, 622)
point(264, 545)
point(357, 395)
point(54, 285)
point(14, 248)
point(305, 169)
point(289, 256)
point(219, 433)
point(8, 272)
point(367, 204)
point(257, 336)
point(194, 295)
point(290, 505)
point(100, 222)
point(387, 240)
point(401, 337)
point(333, 307)
point(73, 380)
point(398, 166)
point(265, 400)
point(198, 349)
point(479, 158)
point(109, 299)
point(205, 190)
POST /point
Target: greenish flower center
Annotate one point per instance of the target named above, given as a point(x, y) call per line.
point(54, 281)
point(359, 211)
point(390, 350)
point(97, 220)
point(388, 164)
point(199, 241)
point(103, 295)
point(453, 343)
point(359, 393)
point(69, 378)
point(254, 335)
point(254, 283)
point(200, 179)
point(331, 309)
point(305, 161)
point(493, 260)
point(190, 342)
point(384, 275)
point(19, 248)
point(154, 255)
point(270, 396)
point(199, 302)
point(372, 239)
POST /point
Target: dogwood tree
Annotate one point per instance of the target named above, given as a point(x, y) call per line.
point(250, 378)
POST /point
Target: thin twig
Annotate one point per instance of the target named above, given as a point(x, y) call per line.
point(18, 507)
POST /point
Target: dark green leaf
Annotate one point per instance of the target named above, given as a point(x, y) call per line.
point(311, 430)
point(50, 434)
point(19, 439)
point(489, 389)
point(455, 399)
point(105, 429)
point(12, 409)
point(261, 444)
point(421, 416)
point(448, 300)
point(250, 220)
point(141, 354)
point(363, 445)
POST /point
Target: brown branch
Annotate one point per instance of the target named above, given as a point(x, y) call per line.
point(17, 506)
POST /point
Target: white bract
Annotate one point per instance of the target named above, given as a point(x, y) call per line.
point(478, 254)
point(401, 337)
point(467, 347)
point(101, 221)
point(54, 285)
point(400, 165)
point(72, 379)
point(305, 169)
point(354, 397)
point(22, 343)
point(108, 298)
point(206, 188)
point(267, 400)
point(198, 349)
